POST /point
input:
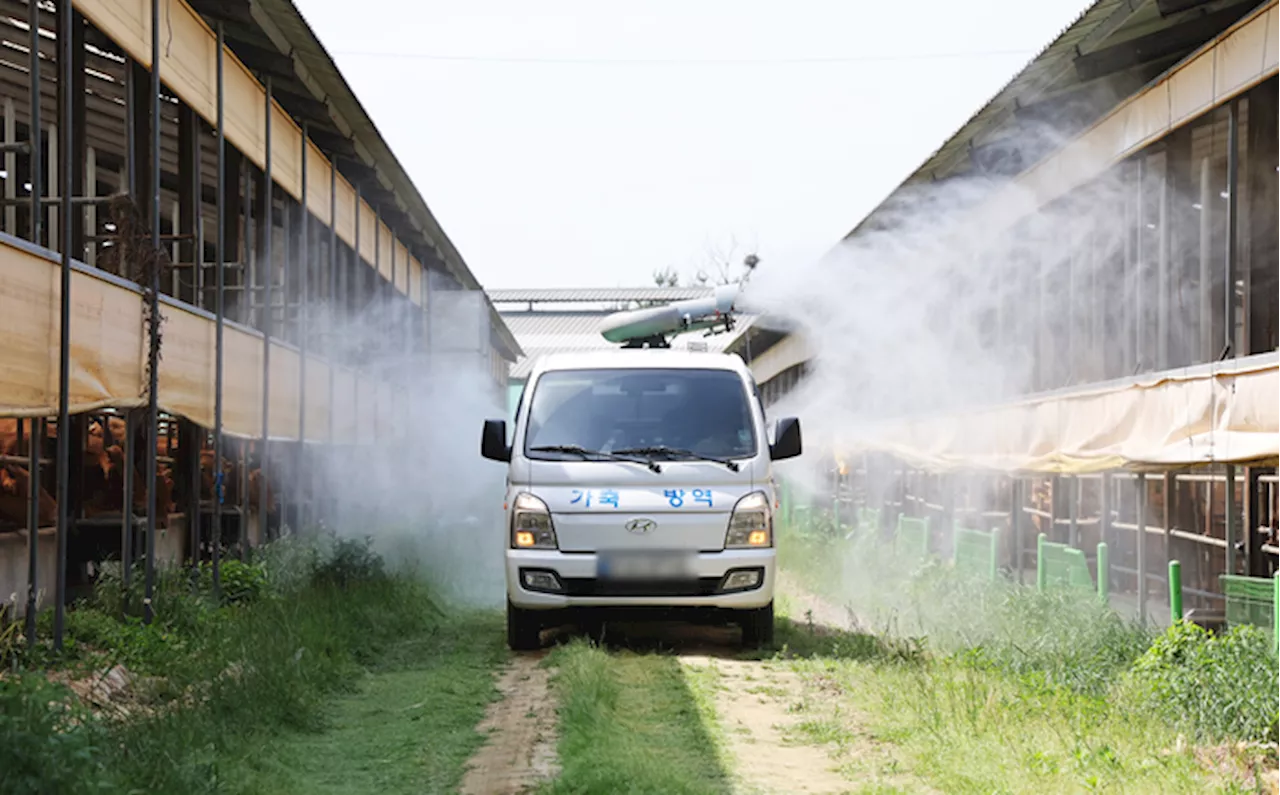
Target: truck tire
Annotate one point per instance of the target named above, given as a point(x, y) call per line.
point(757, 627)
point(524, 629)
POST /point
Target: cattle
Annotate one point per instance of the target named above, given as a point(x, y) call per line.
point(15, 482)
point(15, 492)
point(102, 474)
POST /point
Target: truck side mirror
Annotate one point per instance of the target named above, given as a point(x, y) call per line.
point(786, 439)
point(493, 442)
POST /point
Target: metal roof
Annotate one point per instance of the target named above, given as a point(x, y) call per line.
point(1111, 50)
point(598, 295)
point(273, 40)
point(543, 332)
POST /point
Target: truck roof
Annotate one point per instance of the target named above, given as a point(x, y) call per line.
point(631, 358)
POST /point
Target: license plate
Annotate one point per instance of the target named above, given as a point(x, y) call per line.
point(646, 565)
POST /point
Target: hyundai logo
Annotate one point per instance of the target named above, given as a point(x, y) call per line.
point(641, 526)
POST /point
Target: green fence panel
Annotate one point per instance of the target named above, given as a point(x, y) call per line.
point(1250, 600)
point(975, 552)
point(1061, 566)
point(912, 536)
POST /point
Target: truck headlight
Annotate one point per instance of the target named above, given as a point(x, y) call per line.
point(531, 526)
point(750, 524)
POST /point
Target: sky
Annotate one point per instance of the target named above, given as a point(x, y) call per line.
point(569, 143)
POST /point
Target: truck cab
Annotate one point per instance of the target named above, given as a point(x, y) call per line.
point(640, 486)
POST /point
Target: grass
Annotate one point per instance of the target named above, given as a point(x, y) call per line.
point(633, 723)
point(979, 687)
point(410, 726)
point(962, 730)
point(231, 683)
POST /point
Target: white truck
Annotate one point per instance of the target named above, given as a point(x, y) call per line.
point(640, 487)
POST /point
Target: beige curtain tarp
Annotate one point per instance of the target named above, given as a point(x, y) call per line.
point(109, 355)
point(1229, 414)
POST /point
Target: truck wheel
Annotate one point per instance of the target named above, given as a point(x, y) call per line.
point(524, 629)
point(757, 627)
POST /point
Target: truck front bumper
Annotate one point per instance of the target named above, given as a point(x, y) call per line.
point(574, 584)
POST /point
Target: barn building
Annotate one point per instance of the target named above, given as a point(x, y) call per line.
point(202, 163)
point(1118, 197)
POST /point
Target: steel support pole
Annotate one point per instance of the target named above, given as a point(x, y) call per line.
point(1104, 528)
point(219, 311)
point(1164, 278)
point(376, 299)
point(1055, 506)
point(286, 256)
point(1254, 558)
point(33, 525)
point(153, 418)
point(330, 347)
point(303, 331)
point(65, 61)
point(127, 540)
point(268, 186)
point(1205, 287)
point(1233, 223)
point(34, 133)
point(130, 129)
point(355, 284)
point(1015, 524)
point(1170, 503)
point(1104, 573)
point(242, 525)
point(196, 163)
point(379, 368)
point(1229, 516)
point(333, 293)
point(1142, 547)
point(1073, 511)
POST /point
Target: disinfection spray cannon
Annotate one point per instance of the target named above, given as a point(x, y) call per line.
point(650, 327)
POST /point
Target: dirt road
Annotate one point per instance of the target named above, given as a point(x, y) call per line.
point(763, 712)
point(520, 752)
point(755, 705)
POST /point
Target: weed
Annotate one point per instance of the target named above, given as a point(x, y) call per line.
point(239, 581)
point(1014, 690)
point(47, 744)
point(632, 723)
point(1057, 639)
point(350, 561)
point(259, 657)
point(1216, 687)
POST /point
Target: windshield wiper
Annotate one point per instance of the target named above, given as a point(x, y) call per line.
point(662, 449)
point(577, 449)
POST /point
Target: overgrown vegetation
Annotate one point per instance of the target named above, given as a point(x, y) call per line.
point(218, 677)
point(1214, 687)
point(1022, 691)
point(1063, 637)
point(632, 723)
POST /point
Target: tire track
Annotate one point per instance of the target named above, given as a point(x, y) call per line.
point(520, 752)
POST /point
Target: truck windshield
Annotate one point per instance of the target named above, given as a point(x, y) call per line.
point(703, 412)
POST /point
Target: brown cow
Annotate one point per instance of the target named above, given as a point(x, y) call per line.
point(15, 489)
point(102, 462)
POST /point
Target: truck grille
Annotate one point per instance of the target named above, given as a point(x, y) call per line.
point(590, 586)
